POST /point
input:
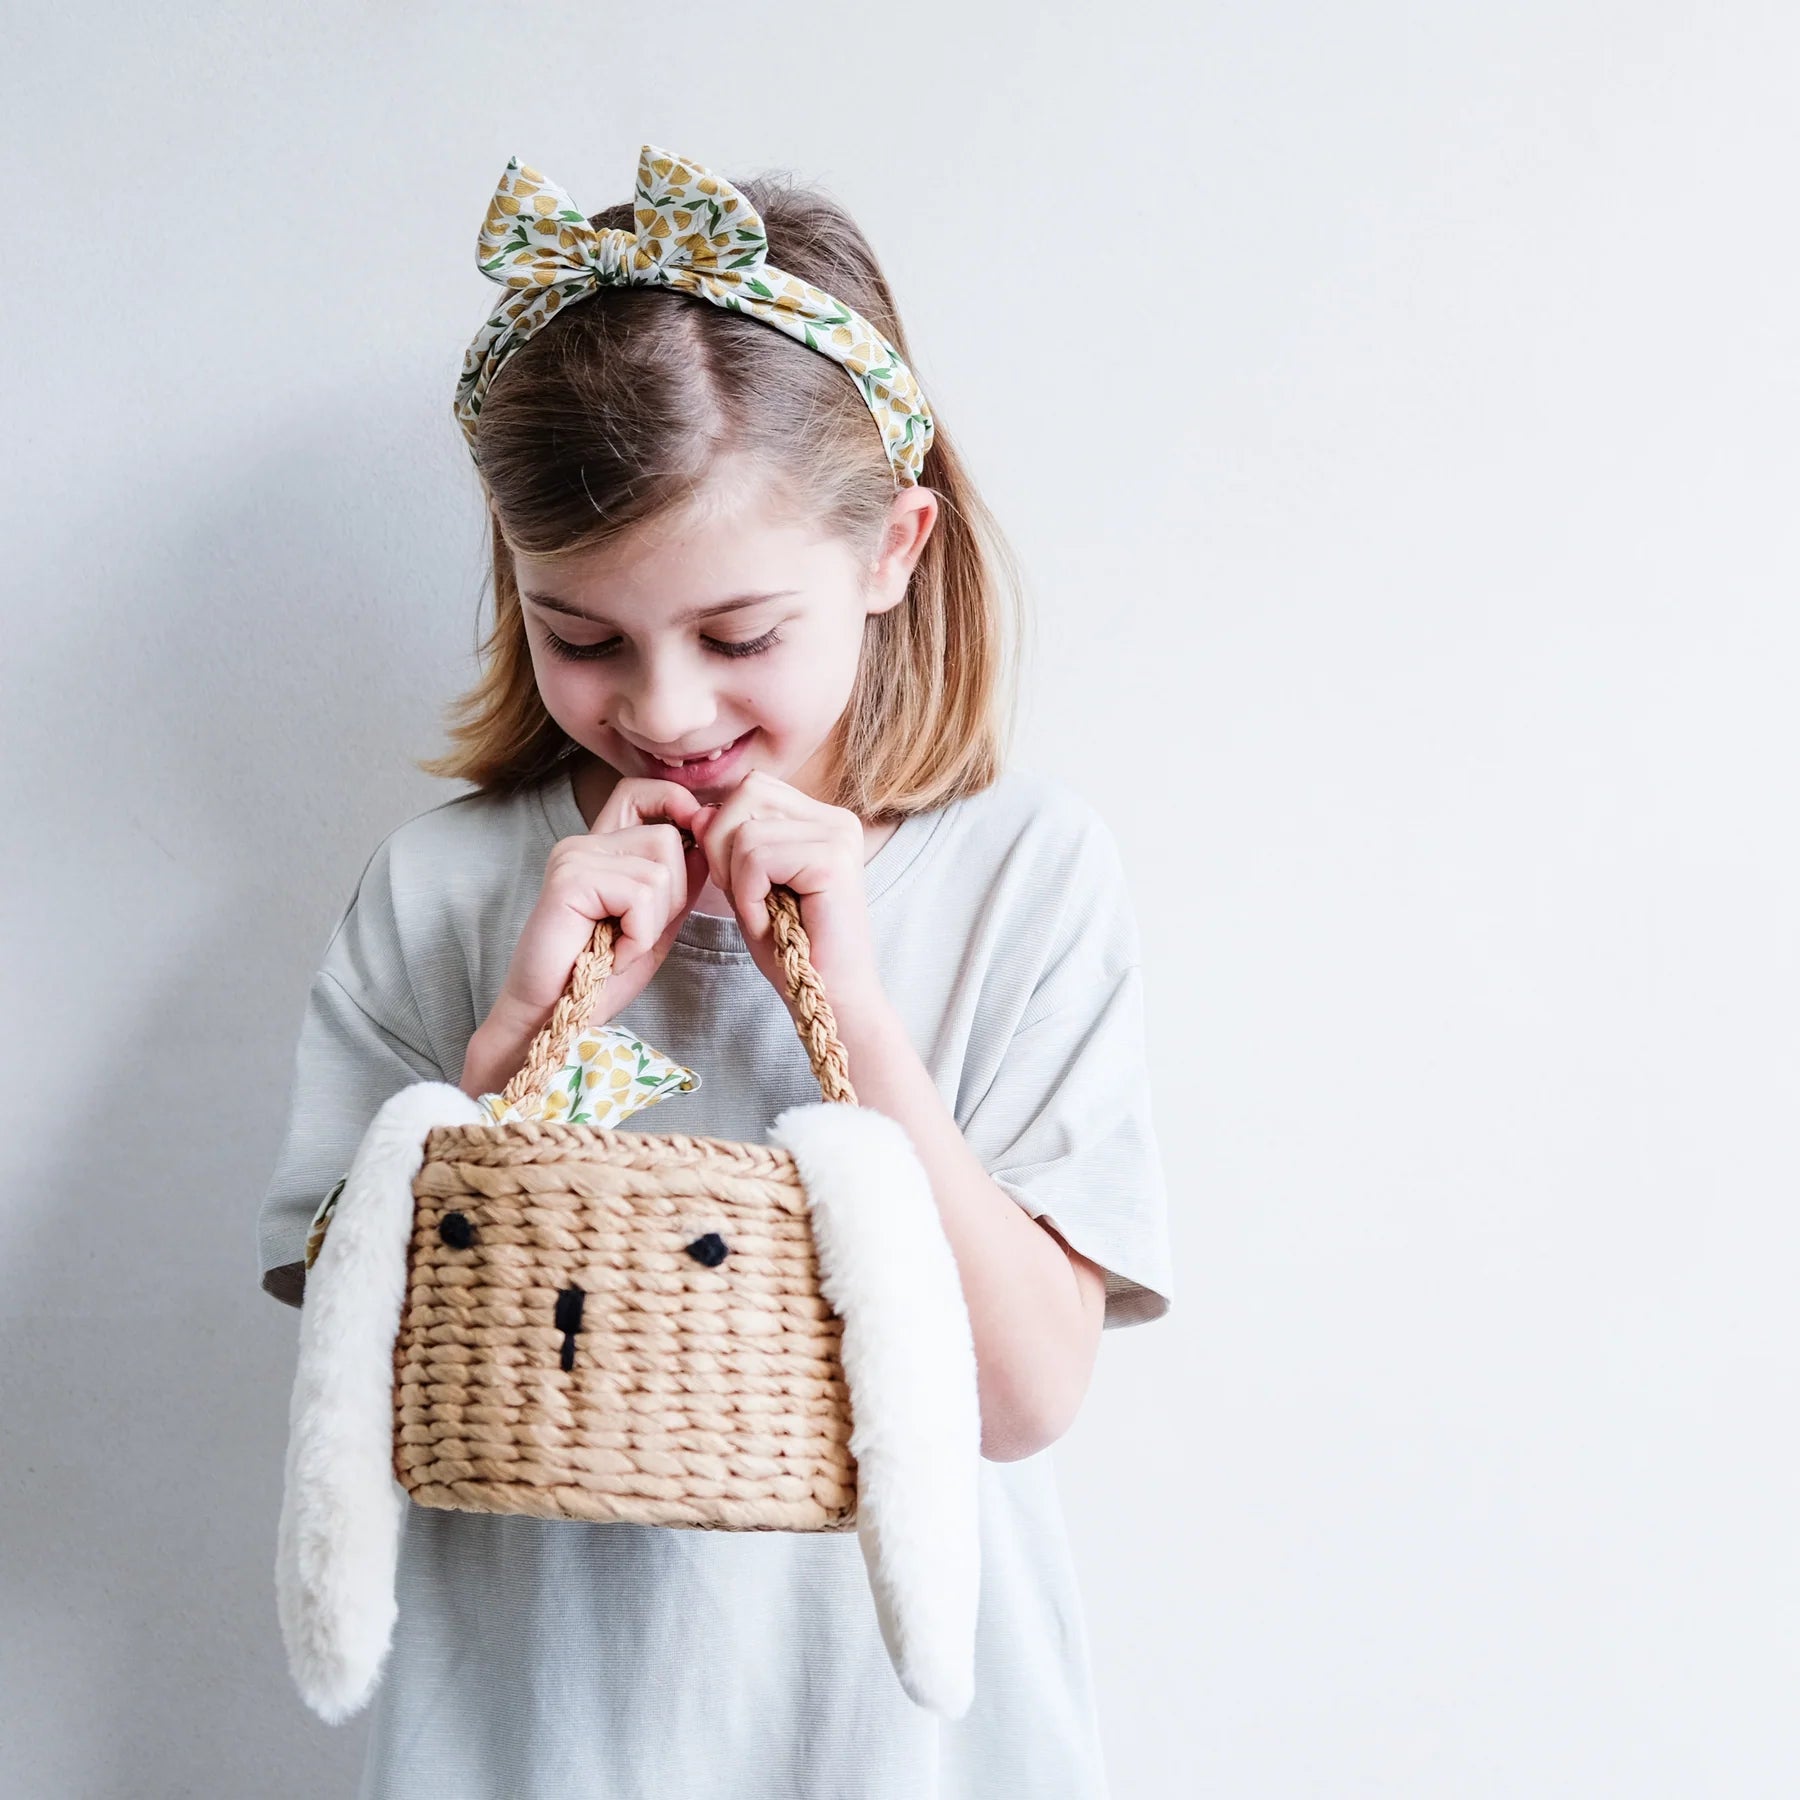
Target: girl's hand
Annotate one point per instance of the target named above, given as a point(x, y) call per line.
point(638, 863)
point(765, 832)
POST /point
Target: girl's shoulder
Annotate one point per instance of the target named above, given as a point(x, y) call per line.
point(1037, 826)
point(470, 832)
point(1030, 867)
point(446, 871)
point(473, 826)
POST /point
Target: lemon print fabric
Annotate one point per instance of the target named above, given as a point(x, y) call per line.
point(693, 232)
point(609, 1074)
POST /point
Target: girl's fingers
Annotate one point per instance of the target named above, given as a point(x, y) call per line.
point(639, 864)
point(761, 799)
point(642, 800)
point(648, 904)
point(663, 844)
point(631, 887)
point(696, 880)
point(765, 852)
point(660, 846)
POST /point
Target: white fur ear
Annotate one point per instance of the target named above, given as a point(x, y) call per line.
point(888, 1271)
point(338, 1544)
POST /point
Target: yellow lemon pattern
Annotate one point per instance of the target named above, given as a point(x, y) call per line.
point(608, 1075)
point(697, 233)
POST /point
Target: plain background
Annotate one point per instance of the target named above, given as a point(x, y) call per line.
point(1394, 408)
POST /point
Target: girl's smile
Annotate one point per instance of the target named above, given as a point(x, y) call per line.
point(700, 775)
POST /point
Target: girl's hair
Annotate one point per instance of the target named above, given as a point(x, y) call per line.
point(631, 402)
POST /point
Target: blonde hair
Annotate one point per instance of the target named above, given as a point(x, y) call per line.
point(624, 406)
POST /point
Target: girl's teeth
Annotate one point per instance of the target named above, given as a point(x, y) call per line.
point(710, 756)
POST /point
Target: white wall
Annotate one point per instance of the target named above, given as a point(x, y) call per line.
point(1395, 407)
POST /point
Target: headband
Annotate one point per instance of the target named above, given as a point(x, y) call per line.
point(696, 233)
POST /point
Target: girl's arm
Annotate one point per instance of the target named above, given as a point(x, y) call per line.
point(1035, 1305)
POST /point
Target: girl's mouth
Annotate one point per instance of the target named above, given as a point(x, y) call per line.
point(707, 772)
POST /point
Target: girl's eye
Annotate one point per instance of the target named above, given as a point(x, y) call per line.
point(592, 652)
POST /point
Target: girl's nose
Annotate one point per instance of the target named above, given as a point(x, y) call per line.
point(671, 707)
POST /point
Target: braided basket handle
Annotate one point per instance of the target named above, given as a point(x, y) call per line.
point(815, 1023)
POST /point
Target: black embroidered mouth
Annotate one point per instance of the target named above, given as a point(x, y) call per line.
point(711, 1250)
point(568, 1321)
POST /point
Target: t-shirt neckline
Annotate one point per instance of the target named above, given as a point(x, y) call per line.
point(709, 934)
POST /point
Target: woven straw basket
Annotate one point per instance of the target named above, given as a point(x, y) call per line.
point(621, 1325)
point(625, 1328)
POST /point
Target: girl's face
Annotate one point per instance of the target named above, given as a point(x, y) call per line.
point(719, 631)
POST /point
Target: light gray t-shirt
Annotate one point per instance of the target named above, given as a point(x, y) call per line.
point(563, 1660)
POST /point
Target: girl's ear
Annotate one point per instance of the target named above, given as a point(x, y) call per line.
point(911, 518)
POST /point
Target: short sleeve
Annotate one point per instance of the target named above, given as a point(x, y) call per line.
point(1065, 1124)
point(346, 1063)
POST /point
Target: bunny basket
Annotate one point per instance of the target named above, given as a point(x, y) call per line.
point(603, 1326)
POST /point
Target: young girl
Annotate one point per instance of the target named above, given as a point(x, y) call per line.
point(738, 641)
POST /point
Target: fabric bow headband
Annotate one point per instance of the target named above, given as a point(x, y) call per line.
point(697, 233)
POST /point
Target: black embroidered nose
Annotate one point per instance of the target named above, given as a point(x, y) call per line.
point(456, 1231)
point(709, 1250)
point(568, 1321)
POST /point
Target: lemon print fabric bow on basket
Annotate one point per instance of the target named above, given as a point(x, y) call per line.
point(609, 1074)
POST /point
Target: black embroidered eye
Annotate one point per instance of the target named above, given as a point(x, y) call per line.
point(709, 1250)
point(456, 1231)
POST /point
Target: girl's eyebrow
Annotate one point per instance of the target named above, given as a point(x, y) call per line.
point(735, 604)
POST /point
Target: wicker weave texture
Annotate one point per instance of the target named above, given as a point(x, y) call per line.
point(704, 1396)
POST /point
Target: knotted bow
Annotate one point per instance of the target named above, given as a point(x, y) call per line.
point(694, 232)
